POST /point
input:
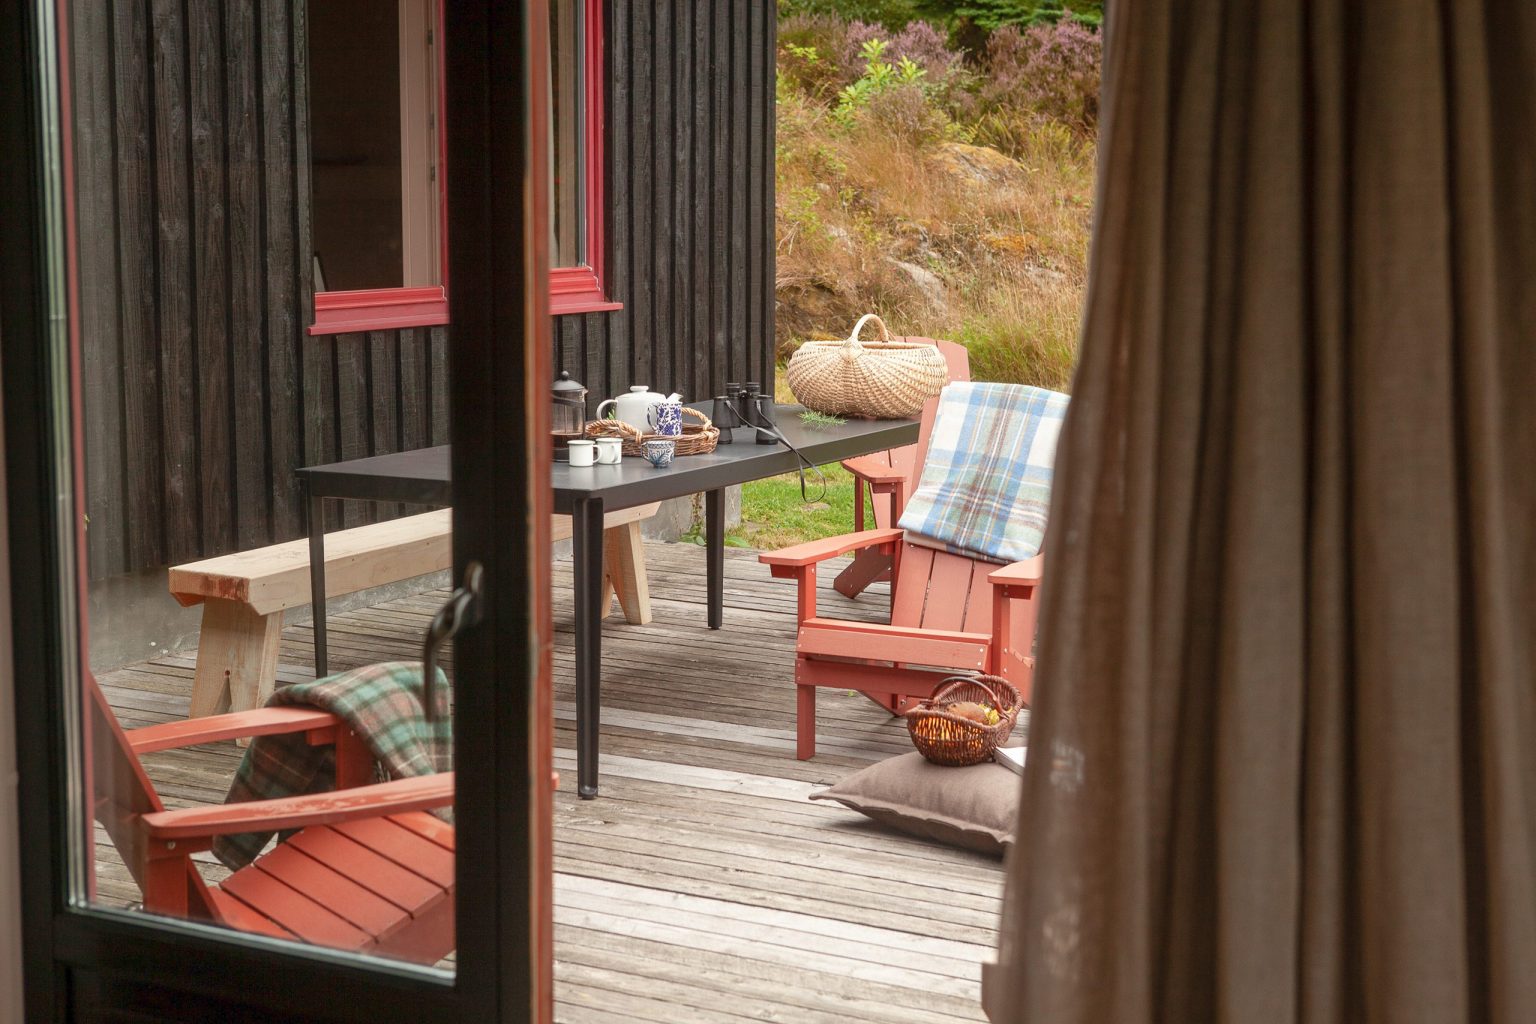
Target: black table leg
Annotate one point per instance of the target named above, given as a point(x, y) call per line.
point(315, 513)
point(587, 567)
point(714, 545)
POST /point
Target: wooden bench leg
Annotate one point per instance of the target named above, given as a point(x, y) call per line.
point(236, 658)
point(624, 572)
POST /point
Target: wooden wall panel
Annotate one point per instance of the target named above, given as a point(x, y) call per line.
point(203, 390)
point(690, 182)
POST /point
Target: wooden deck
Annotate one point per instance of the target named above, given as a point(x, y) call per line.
point(702, 885)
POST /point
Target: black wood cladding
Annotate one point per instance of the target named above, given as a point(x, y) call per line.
point(203, 390)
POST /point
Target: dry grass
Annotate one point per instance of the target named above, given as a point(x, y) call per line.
point(1004, 238)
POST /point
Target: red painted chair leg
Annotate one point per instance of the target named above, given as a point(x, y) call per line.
point(805, 722)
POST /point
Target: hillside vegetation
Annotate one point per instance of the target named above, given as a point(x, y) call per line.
point(945, 186)
point(938, 172)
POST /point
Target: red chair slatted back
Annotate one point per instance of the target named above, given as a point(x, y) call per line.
point(123, 793)
point(938, 590)
point(959, 361)
point(906, 457)
point(942, 591)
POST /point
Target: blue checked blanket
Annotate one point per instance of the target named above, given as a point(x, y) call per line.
point(985, 489)
point(382, 703)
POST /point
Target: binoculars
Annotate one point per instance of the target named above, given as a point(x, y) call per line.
point(745, 405)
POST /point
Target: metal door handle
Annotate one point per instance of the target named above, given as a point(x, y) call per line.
point(461, 609)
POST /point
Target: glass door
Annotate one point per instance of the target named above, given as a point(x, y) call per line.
point(238, 803)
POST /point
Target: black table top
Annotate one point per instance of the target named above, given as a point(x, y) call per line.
point(418, 477)
point(423, 476)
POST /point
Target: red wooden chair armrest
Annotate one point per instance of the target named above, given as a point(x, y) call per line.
point(1026, 573)
point(815, 551)
point(862, 464)
point(419, 794)
point(879, 475)
point(257, 722)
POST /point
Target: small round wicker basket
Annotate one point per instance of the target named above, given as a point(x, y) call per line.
point(885, 379)
point(956, 742)
point(698, 437)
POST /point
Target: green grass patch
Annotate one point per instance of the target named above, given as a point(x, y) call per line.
point(773, 515)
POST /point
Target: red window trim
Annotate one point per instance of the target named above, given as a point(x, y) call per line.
point(580, 289)
point(571, 289)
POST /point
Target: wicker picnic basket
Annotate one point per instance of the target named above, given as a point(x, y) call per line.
point(699, 436)
point(884, 379)
point(948, 739)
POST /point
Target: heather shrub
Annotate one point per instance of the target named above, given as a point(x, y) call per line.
point(1050, 70)
point(853, 56)
point(926, 47)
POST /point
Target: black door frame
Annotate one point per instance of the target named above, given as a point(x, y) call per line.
point(91, 964)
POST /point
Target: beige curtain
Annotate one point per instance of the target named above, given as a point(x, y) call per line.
point(1283, 755)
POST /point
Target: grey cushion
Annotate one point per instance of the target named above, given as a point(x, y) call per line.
point(975, 808)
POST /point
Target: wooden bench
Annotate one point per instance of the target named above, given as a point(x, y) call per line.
point(245, 593)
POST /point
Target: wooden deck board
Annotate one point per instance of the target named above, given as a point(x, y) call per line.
point(702, 885)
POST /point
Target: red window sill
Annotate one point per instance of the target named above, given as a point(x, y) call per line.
point(577, 290)
point(379, 310)
point(571, 290)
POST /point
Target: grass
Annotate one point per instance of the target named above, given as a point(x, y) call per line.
point(773, 515)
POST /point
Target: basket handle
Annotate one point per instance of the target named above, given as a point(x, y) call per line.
point(613, 428)
point(950, 683)
point(853, 339)
point(690, 411)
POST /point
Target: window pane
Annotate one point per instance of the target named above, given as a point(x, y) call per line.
point(567, 119)
point(372, 106)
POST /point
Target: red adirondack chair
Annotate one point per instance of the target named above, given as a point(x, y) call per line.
point(369, 871)
point(949, 613)
point(890, 476)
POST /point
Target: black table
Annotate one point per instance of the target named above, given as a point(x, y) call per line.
point(422, 477)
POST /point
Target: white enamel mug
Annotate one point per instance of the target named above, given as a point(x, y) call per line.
point(582, 453)
point(610, 451)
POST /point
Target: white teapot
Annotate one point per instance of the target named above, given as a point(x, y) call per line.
point(633, 408)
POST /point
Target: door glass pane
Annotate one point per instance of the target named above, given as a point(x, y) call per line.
point(198, 216)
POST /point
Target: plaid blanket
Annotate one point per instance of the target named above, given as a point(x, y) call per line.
point(985, 488)
point(382, 703)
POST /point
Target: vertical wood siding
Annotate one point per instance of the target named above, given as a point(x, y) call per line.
point(203, 392)
point(690, 198)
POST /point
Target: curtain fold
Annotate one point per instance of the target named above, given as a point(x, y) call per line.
point(1283, 747)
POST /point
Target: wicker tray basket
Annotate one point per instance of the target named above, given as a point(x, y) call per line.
point(884, 379)
point(699, 434)
point(956, 742)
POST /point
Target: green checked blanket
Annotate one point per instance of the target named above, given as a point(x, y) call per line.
point(382, 703)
